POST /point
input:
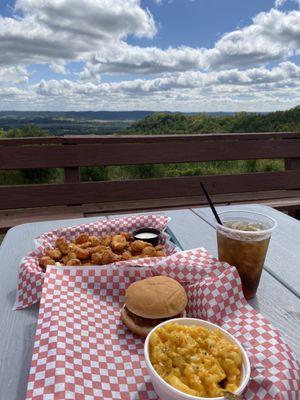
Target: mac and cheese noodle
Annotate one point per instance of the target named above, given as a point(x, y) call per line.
point(195, 360)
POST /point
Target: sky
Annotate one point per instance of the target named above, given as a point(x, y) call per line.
point(175, 55)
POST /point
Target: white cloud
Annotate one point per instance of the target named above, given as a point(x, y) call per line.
point(96, 30)
point(185, 90)
point(272, 36)
point(98, 19)
point(124, 58)
point(280, 3)
point(235, 72)
point(59, 68)
point(68, 29)
point(18, 74)
point(254, 77)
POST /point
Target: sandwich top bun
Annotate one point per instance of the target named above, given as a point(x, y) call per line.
point(156, 297)
point(151, 301)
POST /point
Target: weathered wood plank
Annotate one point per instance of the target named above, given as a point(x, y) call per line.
point(292, 163)
point(282, 203)
point(144, 152)
point(23, 196)
point(8, 222)
point(283, 257)
point(183, 202)
point(280, 195)
point(279, 198)
point(30, 141)
point(72, 174)
point(285, 200)
point(79, 139)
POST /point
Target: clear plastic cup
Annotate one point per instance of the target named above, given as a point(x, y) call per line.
point(243, 241)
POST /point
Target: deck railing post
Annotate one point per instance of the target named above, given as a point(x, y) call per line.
point(71, 174)
point(293, 164)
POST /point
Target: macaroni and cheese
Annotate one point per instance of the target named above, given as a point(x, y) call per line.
point(195, 360)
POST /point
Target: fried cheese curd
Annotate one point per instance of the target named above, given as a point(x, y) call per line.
point(195, 360)
point(93, 250)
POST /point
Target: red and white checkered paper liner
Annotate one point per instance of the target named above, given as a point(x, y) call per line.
point(31, 276)
point(83, 351)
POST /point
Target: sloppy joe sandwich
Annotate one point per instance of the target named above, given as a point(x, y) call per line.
point(151, 301)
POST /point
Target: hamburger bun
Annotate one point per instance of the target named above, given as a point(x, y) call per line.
point(151, 301)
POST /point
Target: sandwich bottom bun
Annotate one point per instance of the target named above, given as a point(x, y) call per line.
point(129, 322)
point(141, 330)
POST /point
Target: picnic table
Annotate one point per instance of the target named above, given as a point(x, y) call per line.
point(278, 296)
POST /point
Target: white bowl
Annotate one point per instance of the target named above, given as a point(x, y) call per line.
point(168, 392)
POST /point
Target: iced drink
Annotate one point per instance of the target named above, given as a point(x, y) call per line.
point(243, 241)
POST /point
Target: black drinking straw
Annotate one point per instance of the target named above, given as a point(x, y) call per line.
point(211, 204)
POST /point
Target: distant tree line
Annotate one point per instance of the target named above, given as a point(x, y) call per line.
point(159, 123)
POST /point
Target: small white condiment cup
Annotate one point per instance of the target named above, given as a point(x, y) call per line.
point(168, 392)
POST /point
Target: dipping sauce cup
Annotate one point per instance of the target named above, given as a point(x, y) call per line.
point(149, 235)
point(243, 241)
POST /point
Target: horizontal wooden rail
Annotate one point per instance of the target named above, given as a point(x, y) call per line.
point(91, 151)
point(85, 139)
point(24, 196)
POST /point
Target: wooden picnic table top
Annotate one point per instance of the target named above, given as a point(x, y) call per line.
point(278, 296)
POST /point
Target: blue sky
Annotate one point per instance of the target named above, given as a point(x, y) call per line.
point(181, 55)
point(200, 23)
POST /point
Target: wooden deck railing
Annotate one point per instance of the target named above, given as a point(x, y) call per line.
point(73, 152)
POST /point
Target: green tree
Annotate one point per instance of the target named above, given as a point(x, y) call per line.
point(94, 173)
point(30, 176)
point(26, 131)
point(145, 171)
